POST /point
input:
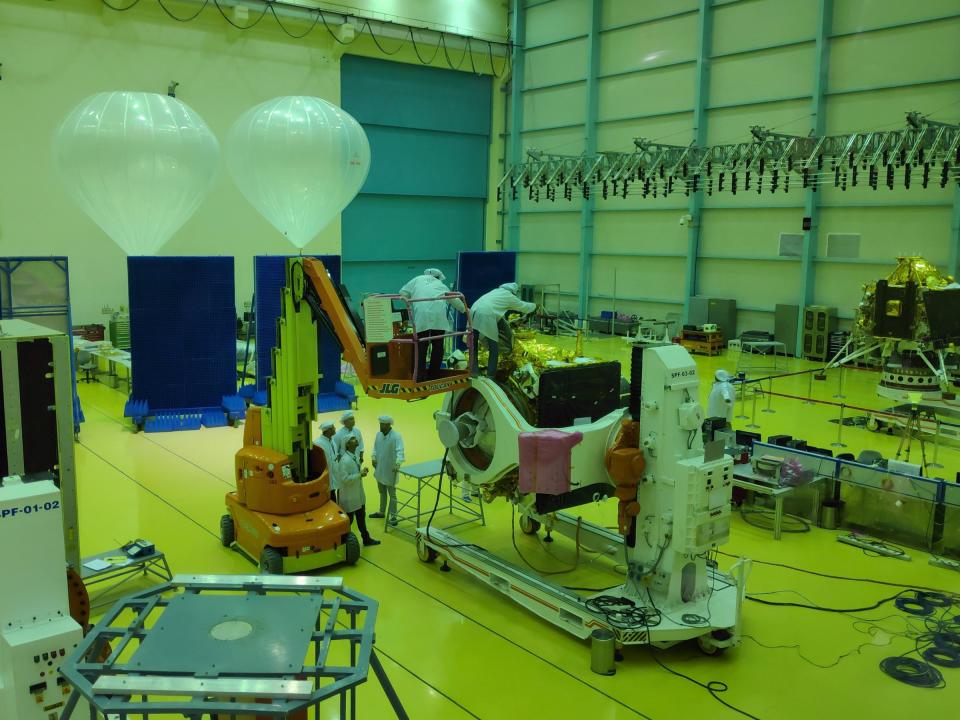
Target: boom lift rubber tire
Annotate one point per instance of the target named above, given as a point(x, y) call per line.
point(426, 553)
point(228, 533)
point(528, 526)
point(353, 549)
point(873, 425)
point(271, 561)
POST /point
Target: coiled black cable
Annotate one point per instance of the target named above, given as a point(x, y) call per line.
point(912, 672)
point(943, 656)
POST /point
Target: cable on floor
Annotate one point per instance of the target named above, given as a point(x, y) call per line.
point(879, 603)
point(790, 523)
point(714, 687)
point(838, 577)
point(436, 505)
point(513, 538)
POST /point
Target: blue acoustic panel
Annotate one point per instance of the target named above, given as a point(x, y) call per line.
point(381, 92)
point(481, 272)
point(183, 327)
point(269, 277)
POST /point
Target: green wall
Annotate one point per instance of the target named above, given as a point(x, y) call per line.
point(54, 54)
point(886, 57)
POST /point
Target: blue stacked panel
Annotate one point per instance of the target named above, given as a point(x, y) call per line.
point(182, 331)
point(480, 272)
point(269, 277)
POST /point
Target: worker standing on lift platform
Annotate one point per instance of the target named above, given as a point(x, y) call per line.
point(430, 319)
point(487, 316)
point(387, 460)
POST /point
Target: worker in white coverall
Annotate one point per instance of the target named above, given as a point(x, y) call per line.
point(487, 318)
point(722, 396)
point(430, 319)
point(352, 498)
point(332, 455)
point(346, 432)
point(387, 460)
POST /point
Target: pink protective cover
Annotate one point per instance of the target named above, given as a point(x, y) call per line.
point(545, 461)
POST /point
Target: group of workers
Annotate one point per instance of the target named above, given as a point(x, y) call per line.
point(430, 298)
point(343, 450)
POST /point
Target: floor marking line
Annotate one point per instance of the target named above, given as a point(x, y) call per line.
point(164, 447)
point(148, 490)
point(507, 639)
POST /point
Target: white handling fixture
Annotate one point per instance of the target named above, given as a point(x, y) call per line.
point(36, 630)
point(684, 512)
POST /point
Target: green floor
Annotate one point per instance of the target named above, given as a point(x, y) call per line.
point(457, 649)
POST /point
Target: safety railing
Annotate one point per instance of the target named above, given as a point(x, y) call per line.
point(415, 339)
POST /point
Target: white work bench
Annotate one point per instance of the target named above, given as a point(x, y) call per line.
point(745, 478)
point(753, 349)
point(413, 510)
point(114, 358)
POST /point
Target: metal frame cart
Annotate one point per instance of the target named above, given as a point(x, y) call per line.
point(230, 646)
point(427, 474)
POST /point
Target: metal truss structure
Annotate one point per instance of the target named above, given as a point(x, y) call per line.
point(924, 151)
point(229, 646)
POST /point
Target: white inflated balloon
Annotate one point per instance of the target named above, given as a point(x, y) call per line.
point(299, 161)
point(138, 163)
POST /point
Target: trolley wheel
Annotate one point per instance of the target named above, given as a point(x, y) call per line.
point(228, 533)
point(353, 548)
point(528, 526)
point(873, 424)
point(707, 646)
point(426, 553)
point(271, 561)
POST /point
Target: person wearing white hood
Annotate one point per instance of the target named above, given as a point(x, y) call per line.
point(387, 459)
point(487, 318)
point(332, 455)
point(346, 432)
point(722, 396)
point(430, 319)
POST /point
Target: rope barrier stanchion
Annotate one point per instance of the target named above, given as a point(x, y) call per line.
point(809, 400)
point(753, 420)
point(743, 391)
point(839, 443)
point(840, 395)
point(936, 447)
point(769, 409)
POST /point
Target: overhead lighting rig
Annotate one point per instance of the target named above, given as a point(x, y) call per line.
point(768, 161)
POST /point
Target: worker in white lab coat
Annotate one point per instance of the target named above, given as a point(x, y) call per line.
point(387, 460)
point(430, 319)
point(722, 396)
point(332, 455)
point(487, 318)
point(348, 430)
point(353, 499)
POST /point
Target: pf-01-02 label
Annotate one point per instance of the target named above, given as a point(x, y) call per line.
point(10, 512)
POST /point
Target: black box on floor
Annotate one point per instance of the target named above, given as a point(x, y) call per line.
point(782, 440)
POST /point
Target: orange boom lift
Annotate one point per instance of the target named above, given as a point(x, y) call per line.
point(281, 511)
